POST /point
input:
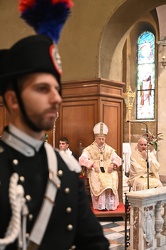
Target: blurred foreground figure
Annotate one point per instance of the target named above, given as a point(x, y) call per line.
point(43, 204)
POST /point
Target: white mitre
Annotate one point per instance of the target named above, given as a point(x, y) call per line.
point(100, 129)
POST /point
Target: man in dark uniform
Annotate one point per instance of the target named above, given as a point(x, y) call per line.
point(30, 86)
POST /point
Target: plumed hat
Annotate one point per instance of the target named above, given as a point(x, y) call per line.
point(31, 54)
point(100, 129)
point(36, 53)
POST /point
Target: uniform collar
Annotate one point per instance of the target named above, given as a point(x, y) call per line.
point(20, 141)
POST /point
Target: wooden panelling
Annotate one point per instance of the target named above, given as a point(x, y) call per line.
point(76, 121)
point(80, 90)
point(92, 88)
point(112, 116)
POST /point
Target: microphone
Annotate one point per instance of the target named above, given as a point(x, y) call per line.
point(134, 121)
point(142, 122)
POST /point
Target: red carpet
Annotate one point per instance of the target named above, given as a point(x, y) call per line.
point(119, 212)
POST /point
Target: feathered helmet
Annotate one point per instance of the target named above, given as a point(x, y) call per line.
point(36, 53)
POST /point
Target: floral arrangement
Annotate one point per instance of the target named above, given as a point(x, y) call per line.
point(153, 140)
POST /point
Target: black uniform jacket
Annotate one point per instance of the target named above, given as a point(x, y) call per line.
point(72, 224)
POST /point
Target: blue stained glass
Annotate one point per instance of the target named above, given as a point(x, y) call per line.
point(146, 48)
point(146, 76)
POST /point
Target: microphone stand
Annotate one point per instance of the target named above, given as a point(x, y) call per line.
point(147, 154)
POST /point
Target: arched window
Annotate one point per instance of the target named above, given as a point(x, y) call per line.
point(146, 76)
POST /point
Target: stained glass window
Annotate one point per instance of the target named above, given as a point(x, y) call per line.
point(145, 108)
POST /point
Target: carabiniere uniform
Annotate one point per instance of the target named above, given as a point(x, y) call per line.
point(72, 224)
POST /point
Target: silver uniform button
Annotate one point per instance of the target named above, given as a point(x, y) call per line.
point(30, 216)
point(73, 247)
point(68, 210)
point(15, 162)
point(60, 173)
point(70, 227)
point(1, 150)
point(28, 197)
point(67, 190)
point(22, 179)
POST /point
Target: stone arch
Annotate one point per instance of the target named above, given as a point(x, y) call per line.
point(115, 33)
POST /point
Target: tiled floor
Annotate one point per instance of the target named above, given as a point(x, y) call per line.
point(115, 233)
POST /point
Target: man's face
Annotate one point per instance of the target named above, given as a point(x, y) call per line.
point(142, 145)
point(41, 99)
point(100, 140)
point(63, 145)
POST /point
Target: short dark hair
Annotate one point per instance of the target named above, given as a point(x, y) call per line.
point(64, 139)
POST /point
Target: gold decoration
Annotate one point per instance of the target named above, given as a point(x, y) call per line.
point(129, 97)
